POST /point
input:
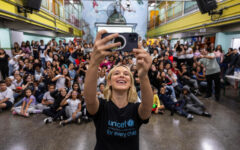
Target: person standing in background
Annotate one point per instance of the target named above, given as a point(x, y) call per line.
point(208, 59)
point(4, 69)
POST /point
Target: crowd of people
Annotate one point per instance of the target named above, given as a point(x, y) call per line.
point(49, 77)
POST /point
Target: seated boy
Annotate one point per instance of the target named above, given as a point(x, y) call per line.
point(6, 96)
point(47, 98)
point(173, 106)
point(193, 104)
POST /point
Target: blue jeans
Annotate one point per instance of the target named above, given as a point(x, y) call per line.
point(19, 103)
point(173, 95)
point(43, 62)
point(71, 59)
point(203, 83)
point(179, 109)
point(11, 67)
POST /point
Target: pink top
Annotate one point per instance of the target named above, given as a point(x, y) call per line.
point(106, 63)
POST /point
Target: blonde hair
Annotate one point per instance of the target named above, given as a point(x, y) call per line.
point(132, 93)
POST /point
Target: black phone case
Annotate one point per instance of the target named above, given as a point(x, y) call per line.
point(130, 38)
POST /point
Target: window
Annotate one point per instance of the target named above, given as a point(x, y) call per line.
point(45, 4)
point(170, 12)
point(190, 6)
point(162, 14)
point(178, 9)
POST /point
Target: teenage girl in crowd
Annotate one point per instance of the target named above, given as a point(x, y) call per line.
point(73, 110)
point(28, 105)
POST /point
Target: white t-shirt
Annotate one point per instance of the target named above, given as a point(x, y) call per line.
point(81, 86)
point(174, 83)
point(154, 56)
point(42, 52)
point(8, 93)
point(73, 104)
point(48, 97)
point(47, 58)
point(182, 56)
point(17, 84)
point(189, 56)
point(101, 80)
point(60, 82)
point(12, 87)
point(38, 75)
point(134, 61)
point(174, 53)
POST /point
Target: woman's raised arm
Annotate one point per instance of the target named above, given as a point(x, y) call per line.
point(144, 62)
point(99, 53)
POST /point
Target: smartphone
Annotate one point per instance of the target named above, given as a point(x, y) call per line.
point(128, 41)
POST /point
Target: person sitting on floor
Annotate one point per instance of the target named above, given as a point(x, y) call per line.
point(173, 106)
point(55, 111)
point(10, 84)
point(157, 108)
point(73, 110)
point(187, 79)
point(47, 98)
point(6, 96)
point(28, 105)
point(193, 104)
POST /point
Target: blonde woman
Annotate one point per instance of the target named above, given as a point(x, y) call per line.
point(118, 117)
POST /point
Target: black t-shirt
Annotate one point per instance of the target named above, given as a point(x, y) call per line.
point(117, 129)
point(4, 61)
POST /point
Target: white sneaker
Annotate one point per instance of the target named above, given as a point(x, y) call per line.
point(190, 117)
point(78, 120)
point(48, 120)
point(175, 100)
point(62, 123)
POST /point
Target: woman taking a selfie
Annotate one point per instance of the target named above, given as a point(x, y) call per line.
point(118, 117)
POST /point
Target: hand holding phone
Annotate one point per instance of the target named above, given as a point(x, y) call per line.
point(101, 47)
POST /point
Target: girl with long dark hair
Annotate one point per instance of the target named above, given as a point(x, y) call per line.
point(4, 69)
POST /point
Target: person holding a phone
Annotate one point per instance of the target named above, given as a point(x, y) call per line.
point(118, 117)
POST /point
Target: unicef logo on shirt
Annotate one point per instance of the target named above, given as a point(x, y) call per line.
point(130, 123)
point(124, 124)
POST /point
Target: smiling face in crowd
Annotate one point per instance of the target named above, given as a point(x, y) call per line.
point(120, 79)
point(3, 86)
point(28, 92)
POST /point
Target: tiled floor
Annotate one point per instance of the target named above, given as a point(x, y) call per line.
point(163, 132)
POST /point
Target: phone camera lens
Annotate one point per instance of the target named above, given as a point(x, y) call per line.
point(119, 39)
